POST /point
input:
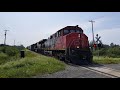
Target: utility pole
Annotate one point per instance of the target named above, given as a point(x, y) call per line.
point(92, 31)
point(5, 36)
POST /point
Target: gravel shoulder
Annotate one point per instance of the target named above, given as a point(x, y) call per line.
point(73, 71)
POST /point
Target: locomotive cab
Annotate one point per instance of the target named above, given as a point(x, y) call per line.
point(72, 44)
point(77, 46)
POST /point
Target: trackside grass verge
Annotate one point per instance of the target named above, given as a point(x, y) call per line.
point(29, 66)
point(106, 60)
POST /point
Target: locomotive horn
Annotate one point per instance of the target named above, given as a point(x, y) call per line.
point(76, 25)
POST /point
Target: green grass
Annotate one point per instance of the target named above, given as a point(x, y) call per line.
point(106, 60)
point(9, 53)
point(29, 66)
point(3, 57)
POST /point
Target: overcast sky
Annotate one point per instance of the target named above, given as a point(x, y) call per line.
point(30, 27)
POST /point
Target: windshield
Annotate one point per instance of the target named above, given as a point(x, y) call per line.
point(72, 31)
point(66, 32)
point(78, 31)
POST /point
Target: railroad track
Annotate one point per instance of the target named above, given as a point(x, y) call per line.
point(112, 73)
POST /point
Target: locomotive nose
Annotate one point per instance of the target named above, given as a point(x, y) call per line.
point(76, 44)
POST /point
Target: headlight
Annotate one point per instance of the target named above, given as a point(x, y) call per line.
point(77, 46)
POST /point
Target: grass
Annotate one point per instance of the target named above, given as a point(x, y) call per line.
point(4, 58)
point(106, 60)
point(9, 53)
point(33, 64)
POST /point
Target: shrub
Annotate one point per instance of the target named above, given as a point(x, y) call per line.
point(11, 51)
point(8, 53)
point(110, 52)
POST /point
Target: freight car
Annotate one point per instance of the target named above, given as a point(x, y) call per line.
point(69, 44)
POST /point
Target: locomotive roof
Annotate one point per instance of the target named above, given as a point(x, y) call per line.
point(72, 28)
point(42, 41)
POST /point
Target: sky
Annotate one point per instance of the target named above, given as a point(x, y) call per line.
point(27, 28)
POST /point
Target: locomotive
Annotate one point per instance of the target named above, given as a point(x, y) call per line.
point(69, 44)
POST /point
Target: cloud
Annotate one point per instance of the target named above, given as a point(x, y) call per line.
point(87, 26)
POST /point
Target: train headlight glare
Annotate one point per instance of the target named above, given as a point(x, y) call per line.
point(77, 46)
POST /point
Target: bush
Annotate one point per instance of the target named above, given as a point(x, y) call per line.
point(2, 49)
point(102, 52)
point(11, 51)
point(3, 57)
point(110, 52)
point(106, 60)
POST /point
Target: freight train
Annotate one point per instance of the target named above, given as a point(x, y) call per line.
point(69, 44)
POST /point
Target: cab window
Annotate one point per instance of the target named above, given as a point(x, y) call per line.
point(59, 33)
point(72, 31)
point(55, 34)
point(51, 37)
point(78, 31)
point(66, 32)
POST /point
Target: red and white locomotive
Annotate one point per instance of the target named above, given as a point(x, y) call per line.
point(69, 44)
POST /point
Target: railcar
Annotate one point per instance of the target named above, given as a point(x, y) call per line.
point(41, 46)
